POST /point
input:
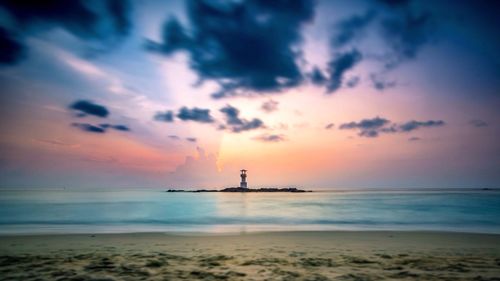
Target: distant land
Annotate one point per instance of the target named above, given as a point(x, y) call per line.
point(244, 189)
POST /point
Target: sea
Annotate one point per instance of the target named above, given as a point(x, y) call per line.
point(128, 211)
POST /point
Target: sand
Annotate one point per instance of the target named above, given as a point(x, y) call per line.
point(323, 255)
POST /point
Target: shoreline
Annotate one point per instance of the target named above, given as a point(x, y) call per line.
point(224, 230)
point(300, 255)
point(251, 232)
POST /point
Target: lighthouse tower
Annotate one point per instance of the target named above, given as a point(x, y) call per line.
point(243, 183)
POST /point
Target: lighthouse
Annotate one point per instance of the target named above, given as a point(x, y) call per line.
point(243, 175)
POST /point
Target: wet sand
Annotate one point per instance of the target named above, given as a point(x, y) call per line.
point(326, 255)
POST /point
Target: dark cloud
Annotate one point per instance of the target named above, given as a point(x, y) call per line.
point(414, 125)
point(174, 137)
point(478, 123)
point(237, 124)
point(403, 28)
point(270, 138)
point(242, 45)
point(406, 32)
point(167, 116)
point(101, 128)
point(121, 128)
point(270, 106)
point(195, 114)
point(374, 127)
point(97, 21)
point(317, 77)
point(11, 51)
point(390, 129)
point(81, 18)
point(369, 133)
point(394, 3)
point(87, 107)
point(353, 82)
point(89, 128)
point(349, 29)
point(414, 139)
point(340, 64)
point(174, 37)
point(380, 84)
point(119, 16)
point(191, 139)
point(329, 126)
point(366, 124)
point(116, 127)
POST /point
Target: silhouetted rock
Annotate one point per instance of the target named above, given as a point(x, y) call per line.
point(241, 189)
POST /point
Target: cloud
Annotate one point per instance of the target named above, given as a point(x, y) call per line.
point(372, 128)
point(349, 29)
point(174, 137)
point(191, 139)
point(478, 123)
point(369, 133)
point(99, 159)
point(414, 125)
point(402, 28)
point(368, 127)
point(89, 128)
point(353, 82)
point(200, 171)
point(122, 128)
point(366, 124)
point(101, 128)
point(195, 114)
point(270, 106)
point(57, 142)
point(11, 51)
point(414, 139)
point(340, 64)
point(167, 116)
point(317, 77)
point(406, 33)
point(395, 3)
point(85, 108)
point(329, 126)
point(242, 45)
point(381, 84)
point(106, 22)
point(270, 138)
point(237, 124)
point(89, 108)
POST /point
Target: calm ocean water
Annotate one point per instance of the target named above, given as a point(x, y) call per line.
point(144, 211)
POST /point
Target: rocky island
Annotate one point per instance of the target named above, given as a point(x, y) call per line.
point(241, 189)
point(244, 188)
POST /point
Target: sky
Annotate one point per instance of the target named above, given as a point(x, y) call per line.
point(301, 93)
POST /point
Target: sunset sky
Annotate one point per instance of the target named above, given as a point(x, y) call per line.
point(184, 94)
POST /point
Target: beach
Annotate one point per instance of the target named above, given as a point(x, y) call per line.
point(318, 255)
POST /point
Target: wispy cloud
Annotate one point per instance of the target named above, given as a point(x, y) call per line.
point(373, 127)
point(270, 138)
point(106, 23)
point(478, 123)
point(237, 124)
point(270, 106)
point(167, 116)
